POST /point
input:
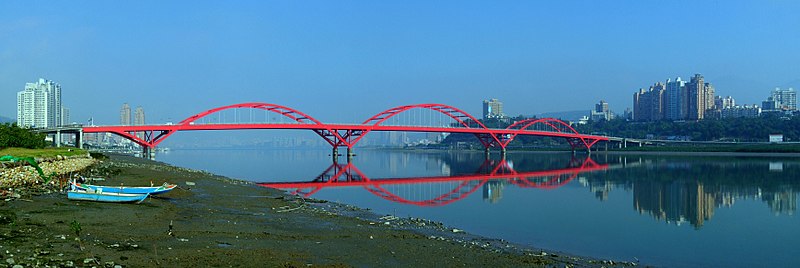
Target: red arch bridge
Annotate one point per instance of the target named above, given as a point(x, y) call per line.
point(449, 188)
point(347, 135)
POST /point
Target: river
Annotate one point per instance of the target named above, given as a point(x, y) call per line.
point(675, 211)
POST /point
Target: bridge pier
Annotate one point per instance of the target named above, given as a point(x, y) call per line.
point(486, 152)
point(335, 154)
point(148, 153)
point(350, 154)
point(57, 139)
point(79, 139)
point(503, 153)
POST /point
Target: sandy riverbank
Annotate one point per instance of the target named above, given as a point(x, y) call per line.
point(215, 221)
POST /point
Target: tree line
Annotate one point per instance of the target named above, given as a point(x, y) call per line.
point(12, 135)
point(727, 129)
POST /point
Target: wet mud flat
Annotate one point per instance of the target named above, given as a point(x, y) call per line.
point(212, 221)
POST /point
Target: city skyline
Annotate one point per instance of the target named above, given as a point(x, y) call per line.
point(186, 59)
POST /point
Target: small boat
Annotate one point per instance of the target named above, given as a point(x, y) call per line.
point(100, 196)
point(155, 190)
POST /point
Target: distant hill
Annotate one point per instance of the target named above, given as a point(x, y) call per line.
point(566, 115)
point(4, 119)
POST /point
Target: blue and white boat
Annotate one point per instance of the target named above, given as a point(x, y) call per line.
point(155, 190)
point(100, 196)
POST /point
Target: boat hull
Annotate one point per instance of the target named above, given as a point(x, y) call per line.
point(105, 197)
point(127, 190)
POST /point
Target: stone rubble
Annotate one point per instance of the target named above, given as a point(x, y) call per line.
point(16, 177)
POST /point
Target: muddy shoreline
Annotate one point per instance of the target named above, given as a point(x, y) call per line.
point(215, 221)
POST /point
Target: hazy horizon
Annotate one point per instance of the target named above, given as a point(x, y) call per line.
point(346, 61)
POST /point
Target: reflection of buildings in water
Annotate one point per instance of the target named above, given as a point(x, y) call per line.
point(599, 188)
point(493, 191)
point(783, 202)
point(682, 201)
point(675, 201)
point(776, 166)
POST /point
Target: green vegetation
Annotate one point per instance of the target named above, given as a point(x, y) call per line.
point(737, 148)
point(728, 129)
point(725, 130)
point(12, 135)
point(46, 152)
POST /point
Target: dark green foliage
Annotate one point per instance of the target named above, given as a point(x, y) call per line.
point(12, 135)
point(729, 129)
point(531, 142)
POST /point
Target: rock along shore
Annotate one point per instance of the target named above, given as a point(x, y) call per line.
point(216, 221)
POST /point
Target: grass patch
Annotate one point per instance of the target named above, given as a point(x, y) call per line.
point(47, 152)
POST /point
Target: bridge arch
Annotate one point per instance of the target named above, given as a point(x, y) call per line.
point(550, 123)
point(290, 113)
point(331, 136)
point(461, 117)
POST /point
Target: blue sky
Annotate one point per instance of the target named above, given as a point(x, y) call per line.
point(343, 61)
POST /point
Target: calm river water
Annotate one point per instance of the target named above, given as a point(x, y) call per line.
point(676, 211)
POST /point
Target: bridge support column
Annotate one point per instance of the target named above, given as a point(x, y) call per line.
point(486, 152)
point(57, 139)
point(503, 153)
point(350, 154)
point(79, 139)
point(148, 153)
point(335, 153)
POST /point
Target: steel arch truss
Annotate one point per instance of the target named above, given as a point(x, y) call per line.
point(461, 117)
point(575, 139)
point(333, 137)
point(290, 113)
point(146, 138)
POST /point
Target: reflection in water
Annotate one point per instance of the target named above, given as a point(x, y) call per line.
point(726, 205)
point(677, 192)
point(491, 177)
point(684, 191)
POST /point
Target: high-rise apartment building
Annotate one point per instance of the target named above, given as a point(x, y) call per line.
point(65, 120)
point(492, 108)
point(721, 103)
point(700, 97)
point(138, 117)
point(785, 99)
point(39, 105)
point(674, 108)
point(601, 112)
point(648, 105)
point(125, 115)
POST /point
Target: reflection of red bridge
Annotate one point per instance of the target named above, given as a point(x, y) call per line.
point(345, 175)
point(347, 135)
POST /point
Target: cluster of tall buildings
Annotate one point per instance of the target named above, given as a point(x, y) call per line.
point(674, 100)
point(781, 100)
point(125, 115)
point(695, 100)
point(39, 105)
